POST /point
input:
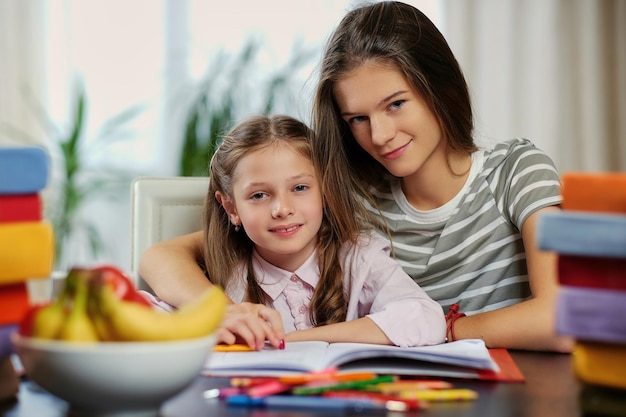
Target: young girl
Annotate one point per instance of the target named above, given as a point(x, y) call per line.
point(393, 119)
point(270, 241)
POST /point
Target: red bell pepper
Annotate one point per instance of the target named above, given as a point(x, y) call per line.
point(121, 284)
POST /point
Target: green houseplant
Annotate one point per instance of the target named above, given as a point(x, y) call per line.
point(78, 182)
point(74, 180)
point(229, 90)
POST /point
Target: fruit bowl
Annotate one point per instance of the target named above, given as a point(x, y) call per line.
point(107, 379)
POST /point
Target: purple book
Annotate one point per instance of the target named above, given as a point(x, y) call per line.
point(6, 347)
point(592, 314)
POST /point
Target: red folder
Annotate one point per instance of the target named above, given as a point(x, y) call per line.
point(20, 208)
point(509, 371)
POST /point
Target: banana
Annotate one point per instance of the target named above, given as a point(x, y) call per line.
point(78, 326)
point(48, 320)
point(128, 321)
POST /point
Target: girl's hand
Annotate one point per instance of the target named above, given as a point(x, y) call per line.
point(251, 324)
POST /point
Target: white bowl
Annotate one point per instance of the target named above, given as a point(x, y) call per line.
point(113, 378)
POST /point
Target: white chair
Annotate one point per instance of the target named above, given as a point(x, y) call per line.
point(163, 208)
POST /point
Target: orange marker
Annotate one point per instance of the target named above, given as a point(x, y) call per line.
point(232, 348)
point(318, 376)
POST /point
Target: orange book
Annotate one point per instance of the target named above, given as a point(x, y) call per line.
point(14, 302)
point(600, 363)
point(601, 192)
point(26, 251)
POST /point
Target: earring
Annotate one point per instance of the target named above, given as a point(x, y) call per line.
point(237, 227)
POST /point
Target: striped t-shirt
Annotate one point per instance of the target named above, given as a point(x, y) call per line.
point(470, 250)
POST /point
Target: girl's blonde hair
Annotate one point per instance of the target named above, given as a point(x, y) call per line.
point(226, 250)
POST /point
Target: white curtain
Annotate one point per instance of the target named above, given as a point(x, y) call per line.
point(21, 58)
point(553, 71)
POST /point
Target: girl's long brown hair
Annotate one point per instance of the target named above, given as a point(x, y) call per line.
point(227, 251)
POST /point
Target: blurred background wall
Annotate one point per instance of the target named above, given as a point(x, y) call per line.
point(135, 82)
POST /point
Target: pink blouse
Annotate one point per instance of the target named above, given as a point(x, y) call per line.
point(378, 289)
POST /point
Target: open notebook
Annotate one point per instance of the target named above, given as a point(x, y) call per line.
point(460, 359)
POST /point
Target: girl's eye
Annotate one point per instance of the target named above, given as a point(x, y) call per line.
point(257, 196)
point(356, 120)
point(396, 104)
point(301, 187)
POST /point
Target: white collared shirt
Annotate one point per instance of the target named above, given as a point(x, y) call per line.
point(379, 289)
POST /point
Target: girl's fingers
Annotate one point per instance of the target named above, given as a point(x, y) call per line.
point(225, 336)
point(273, 325)
point(248, 328)
point(253, 324)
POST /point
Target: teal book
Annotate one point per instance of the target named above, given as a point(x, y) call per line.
point(583, 233)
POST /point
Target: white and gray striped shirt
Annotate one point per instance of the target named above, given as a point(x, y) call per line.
point(470, 250)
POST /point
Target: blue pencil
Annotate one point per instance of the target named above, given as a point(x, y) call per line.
point(337, 405)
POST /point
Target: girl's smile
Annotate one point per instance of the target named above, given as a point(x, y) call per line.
point(397, 153)
point(286, 230)
point(277, 199)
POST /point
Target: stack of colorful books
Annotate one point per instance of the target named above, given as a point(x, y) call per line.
point(26, 242)
point(589, 236)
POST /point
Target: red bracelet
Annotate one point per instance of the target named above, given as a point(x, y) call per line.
point(451, 317)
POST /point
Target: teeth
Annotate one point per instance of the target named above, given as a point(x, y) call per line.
point(289, 229)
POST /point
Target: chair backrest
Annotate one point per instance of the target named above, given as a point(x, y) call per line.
point(163, 208)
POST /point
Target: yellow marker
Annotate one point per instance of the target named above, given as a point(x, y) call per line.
point(456, 394)
point(232, 348)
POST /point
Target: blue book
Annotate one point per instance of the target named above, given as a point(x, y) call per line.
point(591, 314)
point(23, 170)
point(583, 233)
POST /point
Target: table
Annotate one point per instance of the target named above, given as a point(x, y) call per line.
point(550, 390)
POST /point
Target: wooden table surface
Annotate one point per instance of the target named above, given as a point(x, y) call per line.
point(550, 390)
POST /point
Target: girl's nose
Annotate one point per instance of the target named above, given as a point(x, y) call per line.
point(382, 130)
point(282, 208)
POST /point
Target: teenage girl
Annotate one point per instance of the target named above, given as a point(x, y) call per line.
point(392, 112)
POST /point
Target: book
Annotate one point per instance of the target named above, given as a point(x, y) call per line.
point(23, 170)
point(595, 192)
point(583, 233)
point(20, 207)
point(14, 302)
point(26, 251)
point(469, 359)
point(597, 400)
point(601, 364)
point(6, 345)
point(592, 272)
point(591, 314)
